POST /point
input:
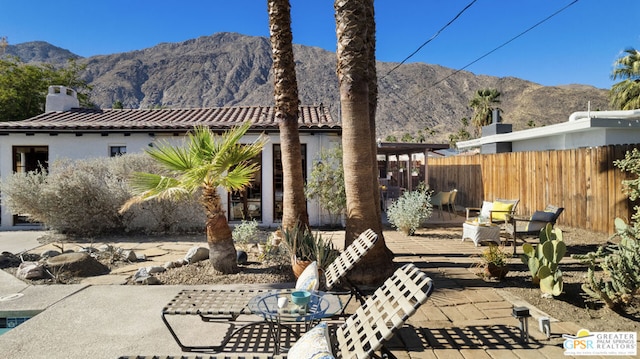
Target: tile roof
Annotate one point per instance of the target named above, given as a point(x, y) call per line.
point(110, 120)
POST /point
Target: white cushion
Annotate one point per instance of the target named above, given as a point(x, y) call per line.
point(314, 344)
point(308, 280)
point(485, 212)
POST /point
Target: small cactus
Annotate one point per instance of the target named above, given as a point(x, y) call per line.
point(543, 260)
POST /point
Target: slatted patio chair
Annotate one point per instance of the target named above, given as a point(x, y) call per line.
point(336, 273)
point(364, 333)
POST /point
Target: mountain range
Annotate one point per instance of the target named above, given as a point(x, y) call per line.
point(230, 69)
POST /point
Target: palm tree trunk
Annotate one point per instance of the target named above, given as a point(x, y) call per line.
point(222, 252)
point(358, 136)
point(286, 106)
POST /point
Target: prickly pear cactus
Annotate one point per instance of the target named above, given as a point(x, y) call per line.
point(543, 260)
point(619, 280)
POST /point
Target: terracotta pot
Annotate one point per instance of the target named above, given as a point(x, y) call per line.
point(298, 266)
point(494, 271)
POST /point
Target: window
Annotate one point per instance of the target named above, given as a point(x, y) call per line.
point(117, 150)
point(247, 204)
point(278, 184)
point(27, 159)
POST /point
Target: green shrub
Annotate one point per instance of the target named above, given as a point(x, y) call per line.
point(82, 197)
point(408, 212)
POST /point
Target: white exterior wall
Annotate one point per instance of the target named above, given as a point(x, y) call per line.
point(562, 141)
point(69, 146)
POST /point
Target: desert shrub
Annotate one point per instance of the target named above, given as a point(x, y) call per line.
point(245, 234)
point(410, 210)
point(82, 197)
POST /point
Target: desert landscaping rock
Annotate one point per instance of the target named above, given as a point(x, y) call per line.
point(196, 254)
point(129, 256)
point(49, 253)
point(242, 257)
point(31, 271)
point(173, 264)
point(76, 264)
point(155, 269)
point(8, 260)
point(148, 280)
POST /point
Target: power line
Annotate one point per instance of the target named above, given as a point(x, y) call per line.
point(432, 38)
point(504, 44)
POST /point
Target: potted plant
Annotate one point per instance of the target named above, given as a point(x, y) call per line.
point(494, 262)
point(304, 247)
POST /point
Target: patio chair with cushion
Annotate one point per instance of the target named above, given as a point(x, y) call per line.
point(362, 334)
point(532, 225)
point(497, 211)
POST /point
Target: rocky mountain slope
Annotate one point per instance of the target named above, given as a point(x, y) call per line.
point(229, 69)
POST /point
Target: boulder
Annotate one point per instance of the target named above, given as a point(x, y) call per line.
point(196, 254)
point(142, 276)
point(76, 264)
point(148, 280)
point(130, 256)
point(49, 253)
point(155, 269)
point(31, 271)
point(9, 260)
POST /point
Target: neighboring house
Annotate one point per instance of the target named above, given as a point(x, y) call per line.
point(65, 131)
point(584, 129)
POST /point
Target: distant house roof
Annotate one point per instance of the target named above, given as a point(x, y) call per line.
point(312, 118)
point(408, 148)
point(584, 129)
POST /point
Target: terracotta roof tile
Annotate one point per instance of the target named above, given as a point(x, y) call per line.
point(262, 117)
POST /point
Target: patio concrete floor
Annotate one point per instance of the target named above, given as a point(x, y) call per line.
point(465, 317)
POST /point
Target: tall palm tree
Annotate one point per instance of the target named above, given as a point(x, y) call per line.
point(205, 162)
point(285, 91)
point(355, 30)
point(625, 95)
point(483, 104)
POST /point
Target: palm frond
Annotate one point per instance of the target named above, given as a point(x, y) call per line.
point(172, 157)
point(148, 186)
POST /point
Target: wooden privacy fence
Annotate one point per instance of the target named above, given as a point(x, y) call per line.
point(584, 181)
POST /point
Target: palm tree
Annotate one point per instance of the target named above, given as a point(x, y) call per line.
point(483, 104)
point(285, 91)
point(205, 162)
point(625, 95)
point(355, 30)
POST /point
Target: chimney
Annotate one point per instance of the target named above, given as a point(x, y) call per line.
point(61, 98)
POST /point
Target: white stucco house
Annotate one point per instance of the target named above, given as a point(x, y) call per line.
point(583, 129)
point(65, 131)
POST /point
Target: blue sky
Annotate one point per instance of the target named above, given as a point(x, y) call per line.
point(578, 45)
